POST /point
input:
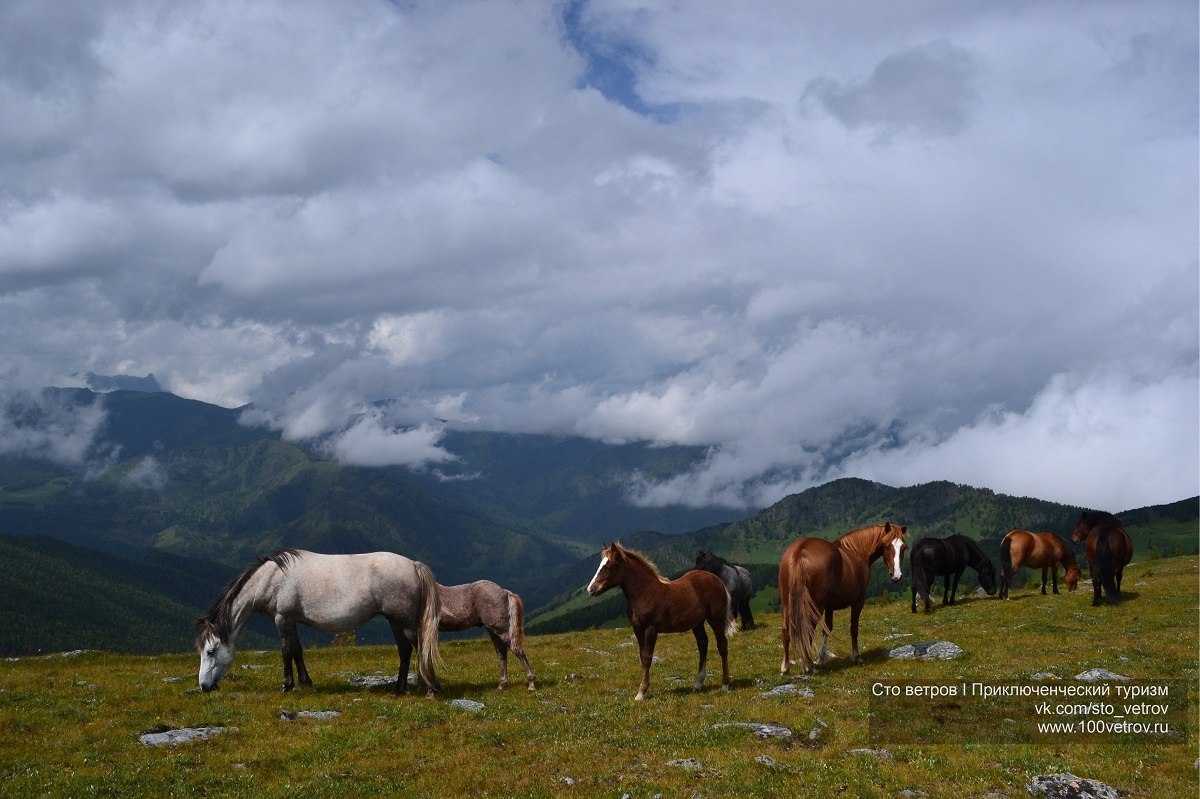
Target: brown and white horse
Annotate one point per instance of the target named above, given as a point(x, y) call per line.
point(1109, 548)
point(495, 609)
point(1046, 549)
point(335, 593)
point(817, 577)
point(656, 605)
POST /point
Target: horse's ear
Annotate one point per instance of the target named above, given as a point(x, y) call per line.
point(904, 530)
point(887, 527)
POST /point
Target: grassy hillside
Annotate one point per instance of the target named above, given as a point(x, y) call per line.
point(69, 726)
point(930, 510)
point(58, 597)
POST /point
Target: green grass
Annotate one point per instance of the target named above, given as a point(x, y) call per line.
point(69, 726)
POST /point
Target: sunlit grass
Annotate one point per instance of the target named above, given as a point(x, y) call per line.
point(69, 726)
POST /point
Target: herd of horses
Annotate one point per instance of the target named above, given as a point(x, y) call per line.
point(338, 593)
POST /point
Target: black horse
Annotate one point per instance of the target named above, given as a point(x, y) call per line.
point(737, 581)
point(947, 557)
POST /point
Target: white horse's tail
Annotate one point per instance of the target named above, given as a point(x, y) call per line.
point(731, 621)
point(428, 656)
point(516, 623)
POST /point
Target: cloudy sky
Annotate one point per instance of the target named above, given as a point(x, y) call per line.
point(914, 241)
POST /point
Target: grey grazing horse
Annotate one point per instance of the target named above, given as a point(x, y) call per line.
point(335, 593)
point(494, 608)
point(736, 579)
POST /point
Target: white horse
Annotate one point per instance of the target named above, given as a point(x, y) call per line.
point(496, 609)
point(334, 593)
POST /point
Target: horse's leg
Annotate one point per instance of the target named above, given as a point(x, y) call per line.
point(954, 588)
point(748, 615)
point(405, 649)
point(502, 651)
point(785, 606)
point(1044, 580)
point(298, 657)
point(647, 639)
point(824, 653)
point(529, 675)
point(723, 651)
point(1053, 578)
point(702, 648)
point(288, 643)
point(855, 612)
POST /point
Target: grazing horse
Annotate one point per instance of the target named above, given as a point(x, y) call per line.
point(334, 593)
point(656, 605)
point(494, 608)
point(1108, 547)
point(817, 577)
point(1022, 548)
point(947, 557)
point(736, 579)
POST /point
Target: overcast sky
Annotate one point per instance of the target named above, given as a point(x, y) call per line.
point(905, 241)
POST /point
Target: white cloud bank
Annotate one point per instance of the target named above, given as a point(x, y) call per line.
point(908, 245)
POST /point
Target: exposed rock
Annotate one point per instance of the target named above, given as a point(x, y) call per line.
point(879, 754)
point(767, 760)
point(179, 736)
point(1068, 786)
point(927, 650)
point(687, 764)
point(292, 715)
point(377, 680)
point(763, 731)
point(1100, 675)
point(1042, 676)
point(469, 705)
point(789, 689)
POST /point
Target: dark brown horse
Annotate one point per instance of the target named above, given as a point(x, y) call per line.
point(1108, 547)
point(817, 577)
point(656, 605)
point(494, 608)
point(1046, 549)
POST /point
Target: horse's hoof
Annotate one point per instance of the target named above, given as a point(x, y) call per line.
point(532, 687)
point(640, 696)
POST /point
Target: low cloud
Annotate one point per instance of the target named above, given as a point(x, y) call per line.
point(50, 427)
point(370, 442)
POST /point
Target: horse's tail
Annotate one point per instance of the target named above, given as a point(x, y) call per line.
point(807, 619)
point(1104, 565)
point(1006, 569)
point(428, 656)
point(731, 622)
point(516, 623)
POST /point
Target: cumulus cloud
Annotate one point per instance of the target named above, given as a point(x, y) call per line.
point(46, 426)
point(814, 243)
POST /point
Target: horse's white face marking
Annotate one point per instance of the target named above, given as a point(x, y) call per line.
point(593, 588)
point(215, 658)
point(897, 547)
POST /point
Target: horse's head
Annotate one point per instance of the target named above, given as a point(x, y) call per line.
point(987, 577)
point(1073, 575)
point(895, 539)
point(1081, 529)
point(705, 561)
point(216, 654)
point(610, 571)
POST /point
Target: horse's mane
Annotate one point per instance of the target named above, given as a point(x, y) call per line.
point(638, 557)
point(218, 619)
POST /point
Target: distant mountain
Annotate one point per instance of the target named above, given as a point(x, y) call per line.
point(180, 476)
point(59, 597)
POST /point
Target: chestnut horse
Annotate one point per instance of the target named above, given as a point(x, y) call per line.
point(1108, 547)
point(656, 605)
point(817, 577)
point(1022, 548)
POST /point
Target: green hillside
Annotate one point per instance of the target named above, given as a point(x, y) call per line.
point(931, 510)
point(60, 597)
